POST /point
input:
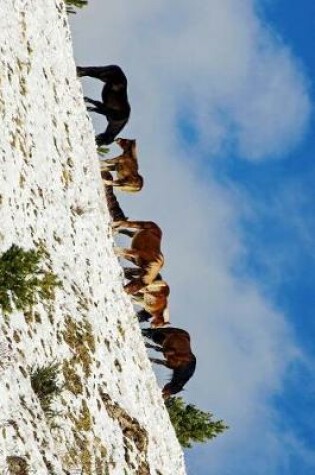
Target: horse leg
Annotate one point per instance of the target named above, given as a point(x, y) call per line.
point(139, 225)
point(126, 232)
point(113, 160)
point(120, 224)
point(106, 168)
point(157, 361)
point(137, 298)
point(96, 104)
point(128, 254)
point(134, 286)
point(124, 184)
point(110, 162)
point(158, 335)
point(131, 272)
point(154, 347)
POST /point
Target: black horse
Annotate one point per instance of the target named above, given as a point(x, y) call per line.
point(114, 105)
point(174, 343)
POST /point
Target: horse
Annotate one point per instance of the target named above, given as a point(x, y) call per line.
point(126, 166)
point(174, 343)
point(154, 300)
point(114, 105)
point(114, 208)
point(145, 252)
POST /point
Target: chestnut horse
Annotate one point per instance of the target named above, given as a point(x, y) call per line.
point(145, 252)
point(126, 166)
point(154, 300)
point(114, 105)
point(174, 343)
point(114, 208)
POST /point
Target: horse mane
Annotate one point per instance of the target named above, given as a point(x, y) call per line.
point(181, 376)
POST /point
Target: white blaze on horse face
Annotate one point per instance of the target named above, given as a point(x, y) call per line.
point(166, 315)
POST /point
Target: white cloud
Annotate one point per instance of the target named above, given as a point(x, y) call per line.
point(215, 62)
point(233, 75)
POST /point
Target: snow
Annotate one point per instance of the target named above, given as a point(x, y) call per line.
point(51, 194)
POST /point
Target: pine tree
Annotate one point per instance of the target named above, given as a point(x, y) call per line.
point(44, 381)
point(192, 424)
point(23, 281)
point(75, 3)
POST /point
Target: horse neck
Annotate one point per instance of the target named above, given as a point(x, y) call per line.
point(181, 375)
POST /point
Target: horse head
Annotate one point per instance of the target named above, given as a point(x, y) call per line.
point(179, 378)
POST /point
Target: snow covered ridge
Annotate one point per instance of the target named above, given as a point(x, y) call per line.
point(110, 415)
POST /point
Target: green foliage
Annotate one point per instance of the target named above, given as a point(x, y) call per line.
point(102, 150)
point(17, 465)
point(192, 424)
point(45, 385)
point(75, 3)
point(23, 281)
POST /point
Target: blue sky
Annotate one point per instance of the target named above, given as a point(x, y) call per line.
point(229, 176)
point(284, 226)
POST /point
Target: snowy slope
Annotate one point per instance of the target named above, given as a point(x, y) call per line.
point(112, 418)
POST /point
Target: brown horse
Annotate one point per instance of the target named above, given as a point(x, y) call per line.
point(114, 106)
point(154, 300)
point(174, 343)
point(126, 166)
point(145, 252)
point(114, 208)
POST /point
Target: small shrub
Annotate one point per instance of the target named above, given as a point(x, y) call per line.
point(192, 424)
point(103, 150)
point(17, 465)
point(76, 4)
point(23, 281)
point(45, 385)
